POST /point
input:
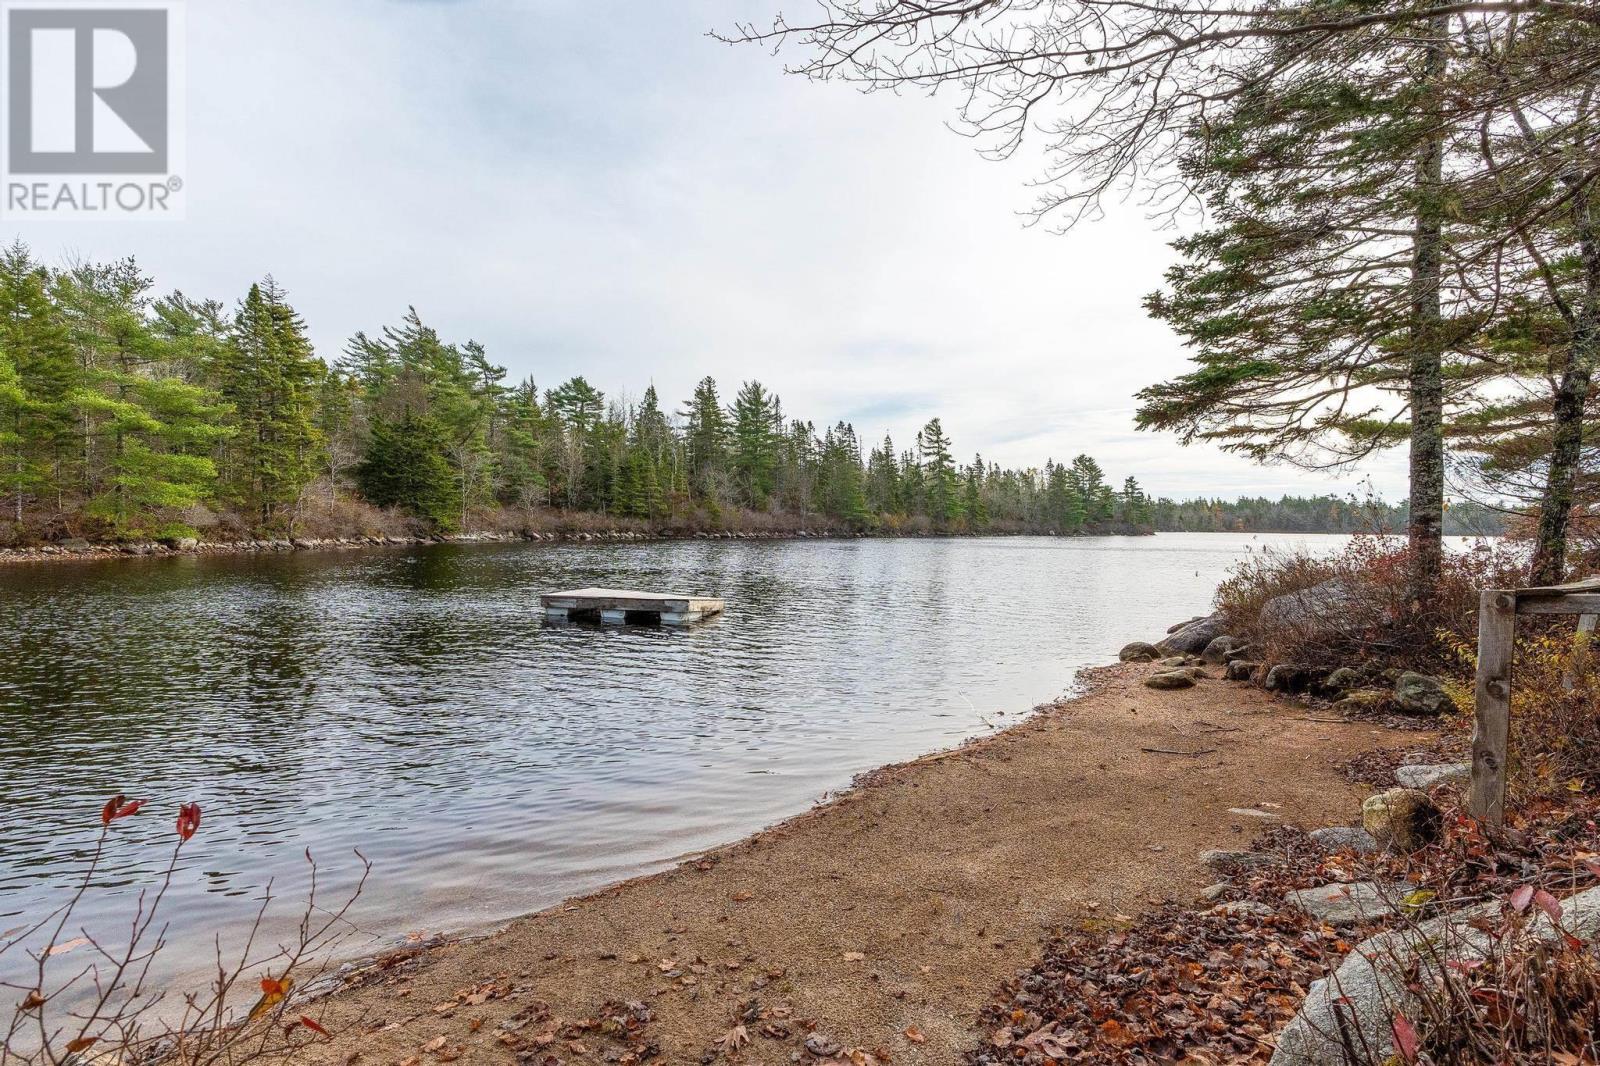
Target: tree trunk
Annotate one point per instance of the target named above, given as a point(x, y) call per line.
point(1427, 357)
point(1572, 394)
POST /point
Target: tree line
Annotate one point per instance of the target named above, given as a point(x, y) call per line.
point(1400, 235)
point(1314, 514)
point(127, 414)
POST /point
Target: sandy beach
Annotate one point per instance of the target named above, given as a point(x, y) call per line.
point(883, 919)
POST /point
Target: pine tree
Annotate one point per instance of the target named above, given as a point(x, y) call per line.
point(755, 444)
point(272, 380)
point(37, 380)
point(944, 504)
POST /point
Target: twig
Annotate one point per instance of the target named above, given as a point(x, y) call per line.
point(1174, 751)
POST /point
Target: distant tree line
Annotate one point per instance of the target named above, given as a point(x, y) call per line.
point(1314, 514)
point(125, 414)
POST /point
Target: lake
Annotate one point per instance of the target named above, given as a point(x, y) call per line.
point(411, 703)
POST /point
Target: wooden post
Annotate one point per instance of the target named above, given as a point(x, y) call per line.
point(1582, 648)
point(1497, 642)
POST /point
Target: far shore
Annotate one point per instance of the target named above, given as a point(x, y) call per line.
point(887, 917)
point(70, 550)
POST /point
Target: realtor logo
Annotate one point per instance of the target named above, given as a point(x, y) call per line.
point(91, 112)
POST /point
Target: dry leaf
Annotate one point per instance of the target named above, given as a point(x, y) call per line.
point(62, 949)
point(914, 1034)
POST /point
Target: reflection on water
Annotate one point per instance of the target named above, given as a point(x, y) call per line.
point(410, 703)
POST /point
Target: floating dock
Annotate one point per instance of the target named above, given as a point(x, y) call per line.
point(617, 606)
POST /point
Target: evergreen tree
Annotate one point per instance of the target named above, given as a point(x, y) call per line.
point(755, 444)
point(943, 500)
point(405, 466)
point(271, 379)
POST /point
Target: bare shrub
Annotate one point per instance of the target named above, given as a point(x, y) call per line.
point(1368, 618)
point(106, 1009)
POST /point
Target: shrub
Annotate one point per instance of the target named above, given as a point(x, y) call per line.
point(1375, 623)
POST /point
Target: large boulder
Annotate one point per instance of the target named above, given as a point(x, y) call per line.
point(1419, 694)
point(1192, 639)
point(1358, 1002)
point(1139, 652)
point(1404, 819)
point(1320, 607)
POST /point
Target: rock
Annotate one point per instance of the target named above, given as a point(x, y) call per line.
point(1347, 904)
point(1217, 651)
point(186, 544)
point(76, 544)
point(1363, 702)
point(1192, 639)
point(1242, 670)
point(1175, 662)
point(1418, 694)
point(1197, 618)
point(1290, 677)
point(1316, 609)
point(1225, 861)
point(1241, 908)
point(1404, 819)
point(1359, 1001)
point(1139, 652)
point(822, 1046)
point(1344, 838)
point(1240, 651)
point(1343, 680)
point(1425, 777)
point(1170, 679)
point(1215, 891)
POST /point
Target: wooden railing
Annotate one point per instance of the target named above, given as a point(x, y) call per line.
point(1497, 641)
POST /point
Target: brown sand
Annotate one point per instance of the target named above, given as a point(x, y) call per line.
point(900, 905)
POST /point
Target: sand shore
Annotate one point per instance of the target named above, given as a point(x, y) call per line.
point(885, 918)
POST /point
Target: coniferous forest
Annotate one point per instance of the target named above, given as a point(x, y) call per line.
point(124, 414)
point(131, 415)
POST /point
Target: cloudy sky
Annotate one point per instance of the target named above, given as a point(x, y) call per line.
point(595, 187)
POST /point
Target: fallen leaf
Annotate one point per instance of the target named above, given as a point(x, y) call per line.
point(734, 1039)
point(62, 949)
point(914, 1034)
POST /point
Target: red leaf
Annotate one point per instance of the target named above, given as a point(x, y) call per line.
point(314, 1027)
point(1405, 1038)
point(188, 820)
point(1548, 903)
point(1521, 898)
point(109, 811)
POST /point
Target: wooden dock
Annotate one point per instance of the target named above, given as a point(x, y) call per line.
point(617, 606)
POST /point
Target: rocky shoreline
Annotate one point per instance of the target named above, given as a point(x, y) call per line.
point(83, 549)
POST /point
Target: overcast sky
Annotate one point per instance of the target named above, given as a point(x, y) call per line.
point(595, 187)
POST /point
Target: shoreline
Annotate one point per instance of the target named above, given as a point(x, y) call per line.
point(892, 908)
point(68, 551)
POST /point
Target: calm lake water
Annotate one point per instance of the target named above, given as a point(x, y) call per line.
point(410, 702)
